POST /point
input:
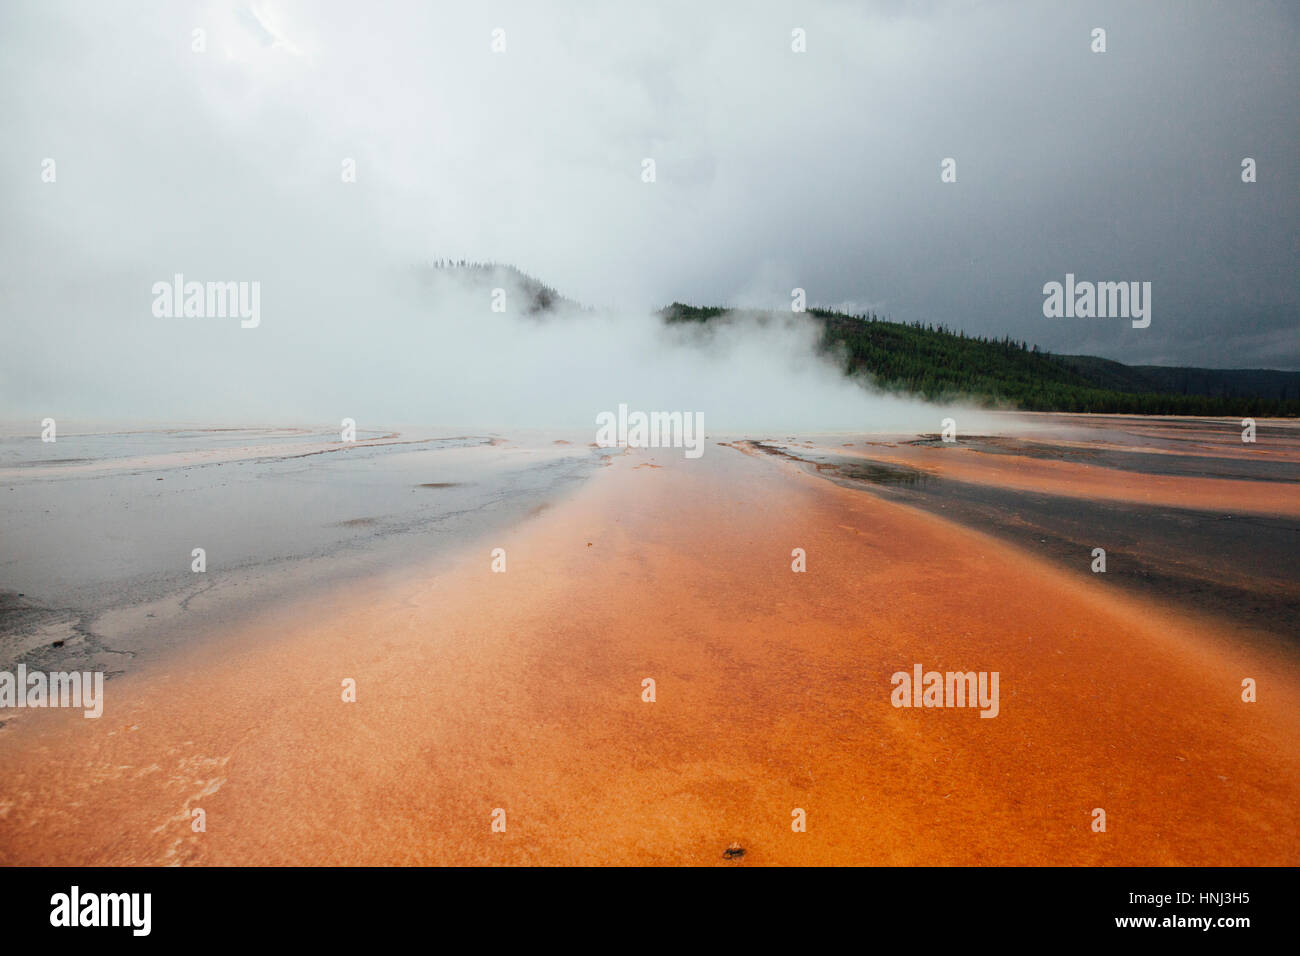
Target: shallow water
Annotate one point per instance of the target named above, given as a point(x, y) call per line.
point(98, 538)
point(1134, 487)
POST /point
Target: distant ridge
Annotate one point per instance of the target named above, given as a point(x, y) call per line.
point(1185, 380)
point(538, 297)
point(942, 365)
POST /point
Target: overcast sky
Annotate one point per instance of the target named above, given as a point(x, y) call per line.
point(774, 169)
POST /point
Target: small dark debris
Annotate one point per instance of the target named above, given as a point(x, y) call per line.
point(57, 644)
point(733, 852)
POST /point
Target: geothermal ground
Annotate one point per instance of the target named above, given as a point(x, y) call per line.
point(520, 698)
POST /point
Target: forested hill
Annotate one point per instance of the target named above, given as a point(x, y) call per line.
point(538, 298)
point(939, 364)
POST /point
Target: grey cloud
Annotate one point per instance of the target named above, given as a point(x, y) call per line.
point(775, 169)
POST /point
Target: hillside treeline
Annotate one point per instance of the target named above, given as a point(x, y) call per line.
point(942, 365)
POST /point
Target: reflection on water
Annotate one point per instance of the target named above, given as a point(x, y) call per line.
point(97, 549)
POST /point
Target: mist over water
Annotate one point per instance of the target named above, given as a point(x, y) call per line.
point(468, 364)
point(385, 345)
